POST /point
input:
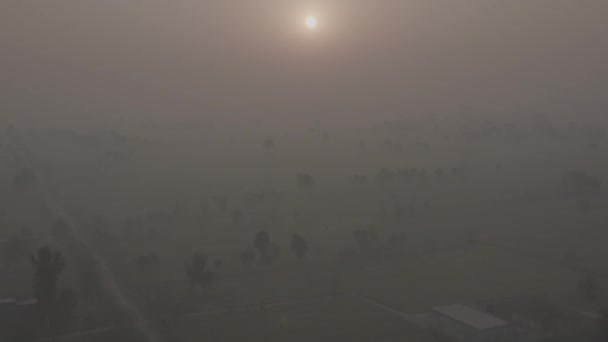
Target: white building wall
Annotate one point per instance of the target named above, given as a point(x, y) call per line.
point(451, 328)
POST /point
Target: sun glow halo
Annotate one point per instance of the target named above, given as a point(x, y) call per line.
point(311, 22)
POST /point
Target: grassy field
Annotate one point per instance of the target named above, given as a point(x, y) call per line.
point(417, 283)
point(340, 319)
point(150, 175)
point(411, 282)
point(343, 318)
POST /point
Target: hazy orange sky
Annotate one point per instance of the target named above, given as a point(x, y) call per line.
point(368, 59)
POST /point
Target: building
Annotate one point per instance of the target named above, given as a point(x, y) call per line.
point(465, 323)
point(535, 319)
point(512, 319)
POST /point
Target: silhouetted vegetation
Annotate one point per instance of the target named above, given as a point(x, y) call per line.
point(198, 272)
point(299, 246)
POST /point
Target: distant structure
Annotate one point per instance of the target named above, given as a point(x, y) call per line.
point(536, 319)
point(509, 320)
point(464, 323)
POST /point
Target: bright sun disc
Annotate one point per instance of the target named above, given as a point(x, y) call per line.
point(311, 22)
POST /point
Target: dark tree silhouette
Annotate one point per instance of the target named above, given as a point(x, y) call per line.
point(299, 245)
point(411, 175)
point(397, 241)
point(221, 203)
point(385, 175)
point(360, 179)
point(580, 183)
point(584, 205)
point(148, 261)
point(197, 272)
point(365, 238)
point(247, 258)
point(305, 181)
point(48, 265)
point(267, 249)
point(603, 326)
point(589, 288)
point(274, 251)
point(262, 244)
point(64, 310)
point(237, 216)
point(269, 144)
point(56, 307)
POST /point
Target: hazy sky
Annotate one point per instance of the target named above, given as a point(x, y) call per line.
point(367, 59)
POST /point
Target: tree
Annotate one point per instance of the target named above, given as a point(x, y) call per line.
point(64, 310)
point(589, 288)
point(148, 261)
point(360, 179)
point(197, 272)
point(274, 252)
point(305, 181)
point(584, 205)
point(247, 258)
point(397, 241)
point(299, 245)
point(365, 238)
point(580, 183)
point(237, 216)
point(262, 244)
point(48, 266)
point(221, 203)
point(267, 249)
point(56, 307)
point(385, 175)
point(269, 144)
point(603, 326)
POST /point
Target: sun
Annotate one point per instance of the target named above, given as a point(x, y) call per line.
point(311, 22)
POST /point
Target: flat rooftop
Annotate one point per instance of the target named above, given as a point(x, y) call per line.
point(7, 301)
point(471, 317)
